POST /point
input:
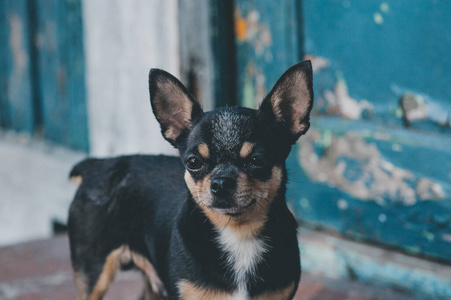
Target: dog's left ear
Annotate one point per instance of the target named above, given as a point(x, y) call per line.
point(290, 101)
point(174, 107)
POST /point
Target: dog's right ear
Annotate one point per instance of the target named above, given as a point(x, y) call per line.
point(174, 107)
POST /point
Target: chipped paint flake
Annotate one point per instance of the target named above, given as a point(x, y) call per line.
point(446, 237)
point(20, 58)
point(396, 147)
point(305, 204)
point(340, 102)
point(342, 204)
point(384, 7)
point(428, 235)
point(318, 62)
point(378, 19)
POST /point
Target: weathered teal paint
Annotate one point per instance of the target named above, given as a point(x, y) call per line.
point(59, 43)
point(359, 171)
point(16, 109)
point(411, 217)
point(379, 50)
point(267, 44)
point(340, 258)
point(377, 46)
point(42, 74)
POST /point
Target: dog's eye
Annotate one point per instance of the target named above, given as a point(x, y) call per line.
point(257, 161)
point(193, 163)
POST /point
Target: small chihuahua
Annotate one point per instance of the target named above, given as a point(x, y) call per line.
point(212, 224)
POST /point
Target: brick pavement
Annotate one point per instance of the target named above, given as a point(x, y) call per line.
point(41, 270)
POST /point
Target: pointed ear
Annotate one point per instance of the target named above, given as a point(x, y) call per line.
point(290, 101)
point(174, 107)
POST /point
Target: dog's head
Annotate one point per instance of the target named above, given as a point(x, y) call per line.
point(234, 157)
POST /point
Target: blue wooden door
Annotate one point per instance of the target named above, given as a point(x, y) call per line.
point(42, 73)
point(16, 107)
point(376, 164)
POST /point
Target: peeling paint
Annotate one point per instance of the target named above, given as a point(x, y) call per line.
point(342, 204)
point(249, 29)
point(20, 58)
point(340, 102)
point(248, 97)
point(16, 38)
point(318, 62)
point(305, 204)
point(420, 107)
point(256, 35)
point(358, 168)
point(446, 237)
point(428, 235)
point(378, 19)
point(428, 190)
point(365, 174)
point(254, 88)
point(267, 44)
point(347, 4)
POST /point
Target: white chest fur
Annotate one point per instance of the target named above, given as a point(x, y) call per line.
point(243, 256)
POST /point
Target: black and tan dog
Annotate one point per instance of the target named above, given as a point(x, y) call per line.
point(212, 224)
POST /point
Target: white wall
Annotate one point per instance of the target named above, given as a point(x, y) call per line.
point(123, 40)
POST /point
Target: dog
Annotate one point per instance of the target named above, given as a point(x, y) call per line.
point(210, 224)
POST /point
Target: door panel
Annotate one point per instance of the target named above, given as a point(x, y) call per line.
point(376, 164)
point(43, 74)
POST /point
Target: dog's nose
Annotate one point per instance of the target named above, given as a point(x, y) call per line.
point(222, 186)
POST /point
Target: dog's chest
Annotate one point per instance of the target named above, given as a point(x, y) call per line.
point(242, 255)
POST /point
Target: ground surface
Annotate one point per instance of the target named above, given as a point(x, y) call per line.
point(41, 270)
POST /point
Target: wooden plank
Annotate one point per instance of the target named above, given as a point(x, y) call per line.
point(76, 86)
point(267, 39)
point(61, 72)
point(16, 108)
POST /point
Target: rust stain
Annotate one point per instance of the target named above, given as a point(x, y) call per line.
point(249, 29)
point(240, 28)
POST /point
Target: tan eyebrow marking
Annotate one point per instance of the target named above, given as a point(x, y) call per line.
point(246, 149)
point(203, 150)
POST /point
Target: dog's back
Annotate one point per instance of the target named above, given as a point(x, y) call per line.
point(117, 204)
